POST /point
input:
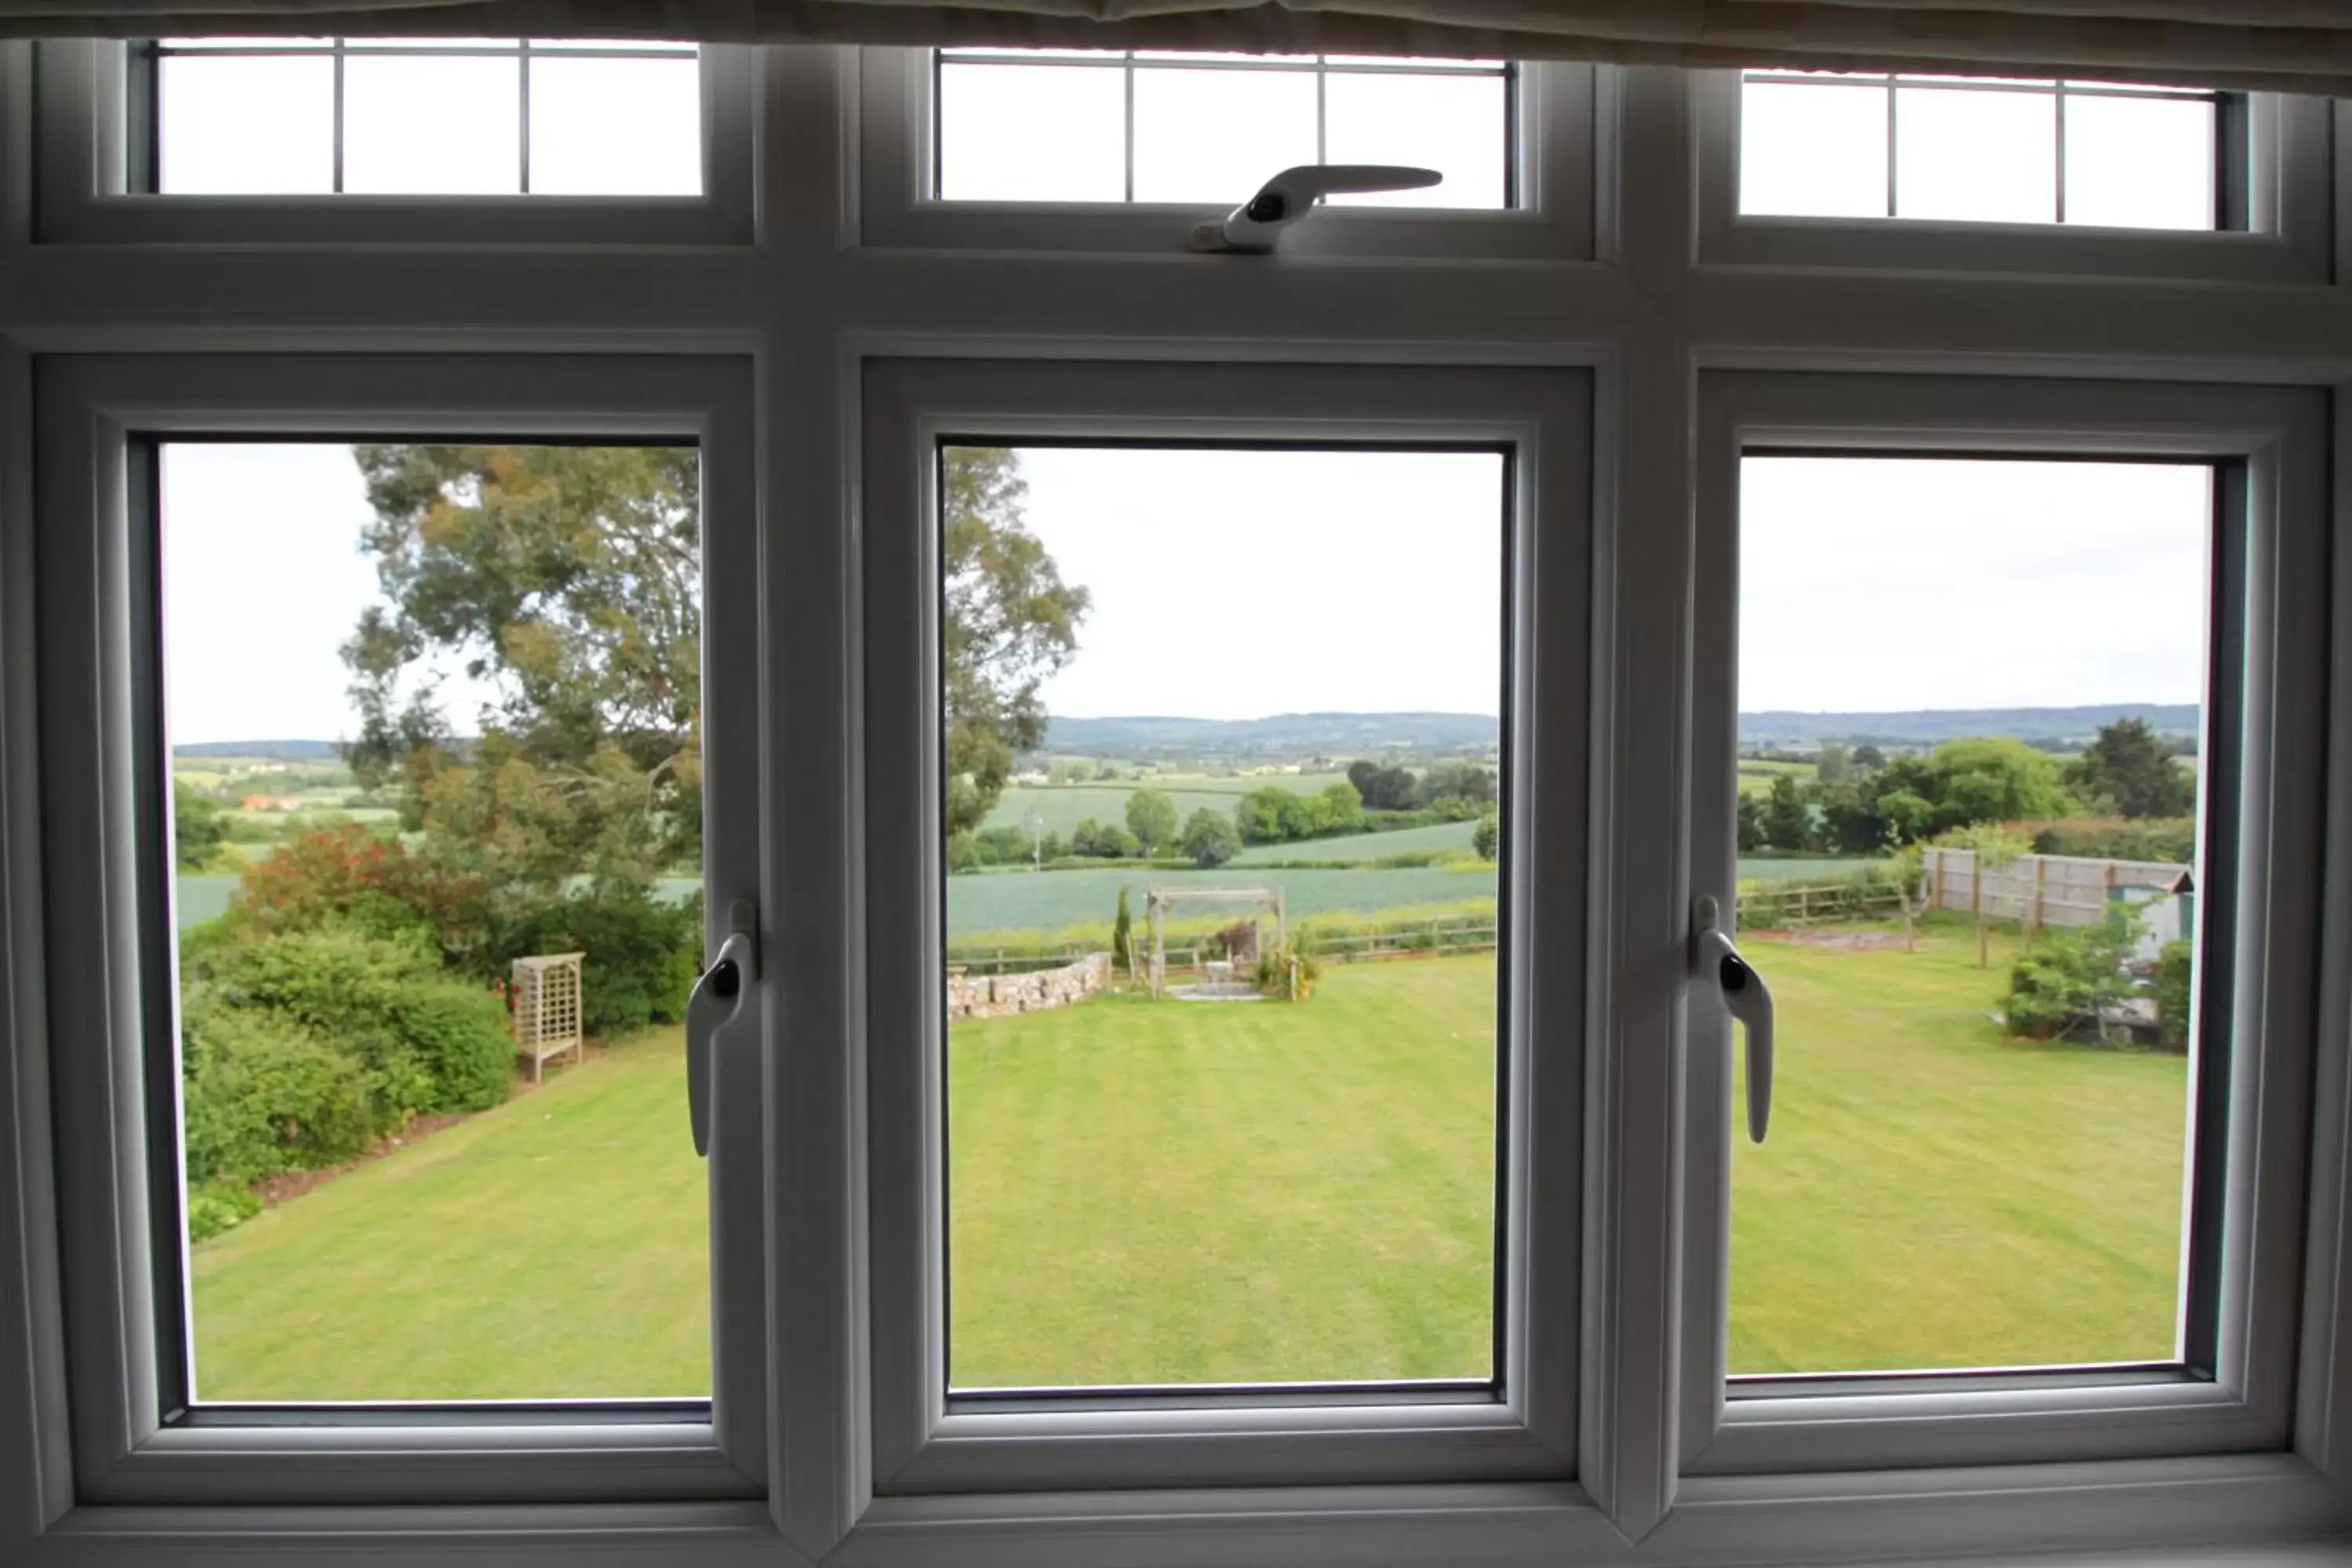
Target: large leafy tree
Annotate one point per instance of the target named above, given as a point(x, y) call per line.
point(2129, 770)
point(570, 579)
point(1010, 622)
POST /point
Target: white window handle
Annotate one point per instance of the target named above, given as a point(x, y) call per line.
point(1253, 226)
point(1715, 962)
point(716, 1001)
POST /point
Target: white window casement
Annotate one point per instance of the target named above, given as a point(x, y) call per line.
point(141, 1431)
point(1545, 211)
point(2267, 169)
point(822, 327)
point(107, 156)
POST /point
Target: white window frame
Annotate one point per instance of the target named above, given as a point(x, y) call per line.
point(922, 1441)
point(1553, 106)
point(134, 1440)
point(2288, 238)
point(84, 194)
point(2255, 999)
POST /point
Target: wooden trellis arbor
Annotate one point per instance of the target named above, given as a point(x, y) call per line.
point(1160, 900)
point(547, 1007)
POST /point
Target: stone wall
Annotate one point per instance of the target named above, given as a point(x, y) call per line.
point(995, 995)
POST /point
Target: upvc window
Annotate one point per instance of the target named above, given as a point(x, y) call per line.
point(1060, 1295)
point(180, 491)
point(1813, 168)
point(2040, 1251)
point(1073, 149)
point(336, 139)
point(415, 116)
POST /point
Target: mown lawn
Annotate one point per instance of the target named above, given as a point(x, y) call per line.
point(1177, 1191)
point(553, 1246)
point(1144, 1192)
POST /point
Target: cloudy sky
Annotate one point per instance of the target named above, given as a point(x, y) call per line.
point(1235, 583)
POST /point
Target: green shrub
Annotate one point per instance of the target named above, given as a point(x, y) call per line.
point(2167, 839)
point(218, 1208)
point(261, 1095)
point(641, 953)
point(2060, 985)
point(2173, 965)
point(429, 1042)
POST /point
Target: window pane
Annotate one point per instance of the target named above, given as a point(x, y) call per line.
point(432, 126)
point(1812, 150)
point(246, 125)
point(619, 127)
point(1215, 136)
point(1962, 154)
point(1971, 697)
point(427, 1158)
point(1221, 992)
point(1456, 125)
point(1040, 134)
point(2139, 163)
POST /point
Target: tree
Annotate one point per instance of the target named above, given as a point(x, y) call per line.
point(1833, 763)
point(1122, 936)
point(1485, 837)
point(2129, 770)
point(1209, 840)
point(570, 577)
point(1996, 780)
point(1456, 781)
point(1339, 808)
point(198, 828)
point(1381, 788)
point(1750, 826)
point(1258, 815)
point(1868, 759)
point(1152, 817)
point(1788, 820)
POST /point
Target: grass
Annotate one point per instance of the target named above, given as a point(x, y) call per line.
point(1936, 1194)
point(1017, 902)
point(1057, 809)
point(553, 1246)
point(1364, 846)
point(1180, 1191)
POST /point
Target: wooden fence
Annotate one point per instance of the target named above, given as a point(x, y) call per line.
point(1776, 908)
point(2042, 889)
point(1403, 938)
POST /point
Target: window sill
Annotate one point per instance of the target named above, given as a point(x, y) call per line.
point(2269, 1511)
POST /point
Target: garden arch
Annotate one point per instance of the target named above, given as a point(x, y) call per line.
point(1160, 900)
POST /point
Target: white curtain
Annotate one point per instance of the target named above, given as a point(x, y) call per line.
point(2291, 46)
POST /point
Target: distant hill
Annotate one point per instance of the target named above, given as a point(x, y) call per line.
point(277, 750)
point(1277, 735)
point(1930, 725)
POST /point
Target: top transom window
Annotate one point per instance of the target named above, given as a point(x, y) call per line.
point(1824, 144)
point(1074, 125)
point(424, 117)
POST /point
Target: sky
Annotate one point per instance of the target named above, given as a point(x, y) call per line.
point(1231, 584)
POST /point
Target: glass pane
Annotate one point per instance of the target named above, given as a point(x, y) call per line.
point(1992, 157)
point(438, 891)
point(246, 125)
point(1220, 988)
point(433, 127)
point(1214, 137)
point(1039, 133)
point(616, 128)
point(1971, 698)
point(432, 46)
point(2139, 163)
point(1811, 151)
point(1456, 125)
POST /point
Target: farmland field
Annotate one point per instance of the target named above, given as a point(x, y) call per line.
point(1364, 846)
point(1928, 1184)
point(1057, 809)
point(1050, 900)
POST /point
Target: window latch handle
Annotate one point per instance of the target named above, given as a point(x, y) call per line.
point(717, 1001)
point(1253, 227)
point(1715, 959)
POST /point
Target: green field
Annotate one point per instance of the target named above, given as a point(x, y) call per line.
point(553, 1246)
point(1364, 846)
point(1051, 901)
point(1183, 1191)
point(1057, 809)
point(1806, 868)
